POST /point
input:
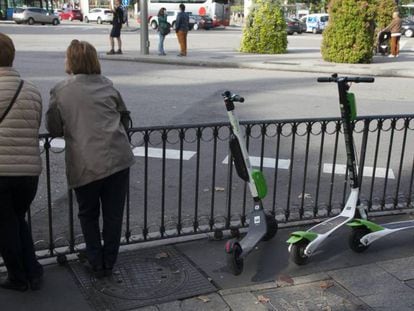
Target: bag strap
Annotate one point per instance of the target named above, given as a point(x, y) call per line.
point(12, 101)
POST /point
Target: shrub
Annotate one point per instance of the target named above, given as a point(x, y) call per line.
point(265, 29)
point(349, 36)
point(384, 13)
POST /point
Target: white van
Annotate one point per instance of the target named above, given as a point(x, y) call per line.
point(315, 23)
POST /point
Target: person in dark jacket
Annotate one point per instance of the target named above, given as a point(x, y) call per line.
point(395, 28)
point(86, 110)
point(20, 167)
point(117, 21)
point(163, 27)
point(181, 29)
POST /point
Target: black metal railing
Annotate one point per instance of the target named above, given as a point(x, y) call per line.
point(182, 184)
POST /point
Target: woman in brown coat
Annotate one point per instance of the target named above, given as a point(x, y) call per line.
point(395, 28)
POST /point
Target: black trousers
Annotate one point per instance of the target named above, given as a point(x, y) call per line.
point(107, 194)
point(16, 243)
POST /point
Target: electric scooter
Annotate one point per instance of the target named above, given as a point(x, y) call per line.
point(262, 226)
point(302, 244)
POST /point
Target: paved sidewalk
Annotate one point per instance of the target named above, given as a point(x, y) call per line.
point(296, 59)
point(381, 279)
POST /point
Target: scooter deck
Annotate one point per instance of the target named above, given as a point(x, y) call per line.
point(329, 224)
point(399, 225)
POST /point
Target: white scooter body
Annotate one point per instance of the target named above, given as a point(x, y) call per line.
point(326, 228)
point(389, 228)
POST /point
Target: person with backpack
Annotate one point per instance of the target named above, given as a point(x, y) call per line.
point(163, 30)
point(117, 21)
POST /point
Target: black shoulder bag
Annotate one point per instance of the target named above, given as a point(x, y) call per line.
point(12, 101)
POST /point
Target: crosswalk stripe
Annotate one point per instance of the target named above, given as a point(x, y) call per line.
point(368, 170)
point(267, 162)
point(157, 153)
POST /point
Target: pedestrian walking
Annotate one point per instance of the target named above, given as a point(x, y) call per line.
point(163, 30)
point(181, 29)
point(395, 28)
point(86, 110)
point(117, 21)
point(20, 167)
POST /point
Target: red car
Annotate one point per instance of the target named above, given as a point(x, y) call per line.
point(70, 14)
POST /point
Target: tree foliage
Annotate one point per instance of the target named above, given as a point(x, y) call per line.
point(384, 13)
point(265, 29)
point(349, 36)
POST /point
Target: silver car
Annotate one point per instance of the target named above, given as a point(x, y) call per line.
point(34, 15)
point(100, 15)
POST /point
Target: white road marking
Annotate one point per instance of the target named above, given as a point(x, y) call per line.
point(157, 153)
point(267, 162)
point(368, 170)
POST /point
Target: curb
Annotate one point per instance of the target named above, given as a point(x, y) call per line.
point(352, 69)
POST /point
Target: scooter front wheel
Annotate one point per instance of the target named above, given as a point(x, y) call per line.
point(355, 239)
point(297, 252)
point(234, 262)
point(271, 227)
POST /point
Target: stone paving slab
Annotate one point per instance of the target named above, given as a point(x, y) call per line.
point(393, 300)
point(367, 280)
point(323, 295)
point(244, 302)
point(400, 268)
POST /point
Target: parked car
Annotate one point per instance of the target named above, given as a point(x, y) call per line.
point(408, 28)
point(292, 26)
point(202, 22)
point(70, 14)
point(99, 15)
point(301, 24)
point(315, 23)
point(171, 17)
point(32, 15)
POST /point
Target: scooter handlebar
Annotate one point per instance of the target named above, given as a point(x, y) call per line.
point(347, 79)
point(232, 97)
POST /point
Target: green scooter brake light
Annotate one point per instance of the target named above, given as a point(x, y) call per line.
point(352, 105)
point(260, 183)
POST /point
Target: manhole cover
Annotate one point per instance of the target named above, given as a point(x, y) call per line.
point(143, 277)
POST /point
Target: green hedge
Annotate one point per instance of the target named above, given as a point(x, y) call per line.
point(265, 29)
point(349, 36)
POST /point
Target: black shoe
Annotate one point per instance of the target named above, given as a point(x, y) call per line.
point(111, 52)
point(36, 283)
point(17, 286)
point(118, 52)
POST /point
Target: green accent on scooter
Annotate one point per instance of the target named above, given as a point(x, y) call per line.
point(373, 227)
point(260, 183)
point(300, 235)
point(352, 105)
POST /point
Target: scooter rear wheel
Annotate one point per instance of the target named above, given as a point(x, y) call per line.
point(297, 252)
point(234, 262)
point(355, 239)
point(271, 224)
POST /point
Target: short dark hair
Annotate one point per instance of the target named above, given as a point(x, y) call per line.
point(182, 7)
point(7, 51)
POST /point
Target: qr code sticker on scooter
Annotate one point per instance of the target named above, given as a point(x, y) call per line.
point(256, 220)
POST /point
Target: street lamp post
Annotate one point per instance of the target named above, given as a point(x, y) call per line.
point(144, 27)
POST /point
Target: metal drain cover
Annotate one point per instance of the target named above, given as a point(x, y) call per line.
point(141, 278)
